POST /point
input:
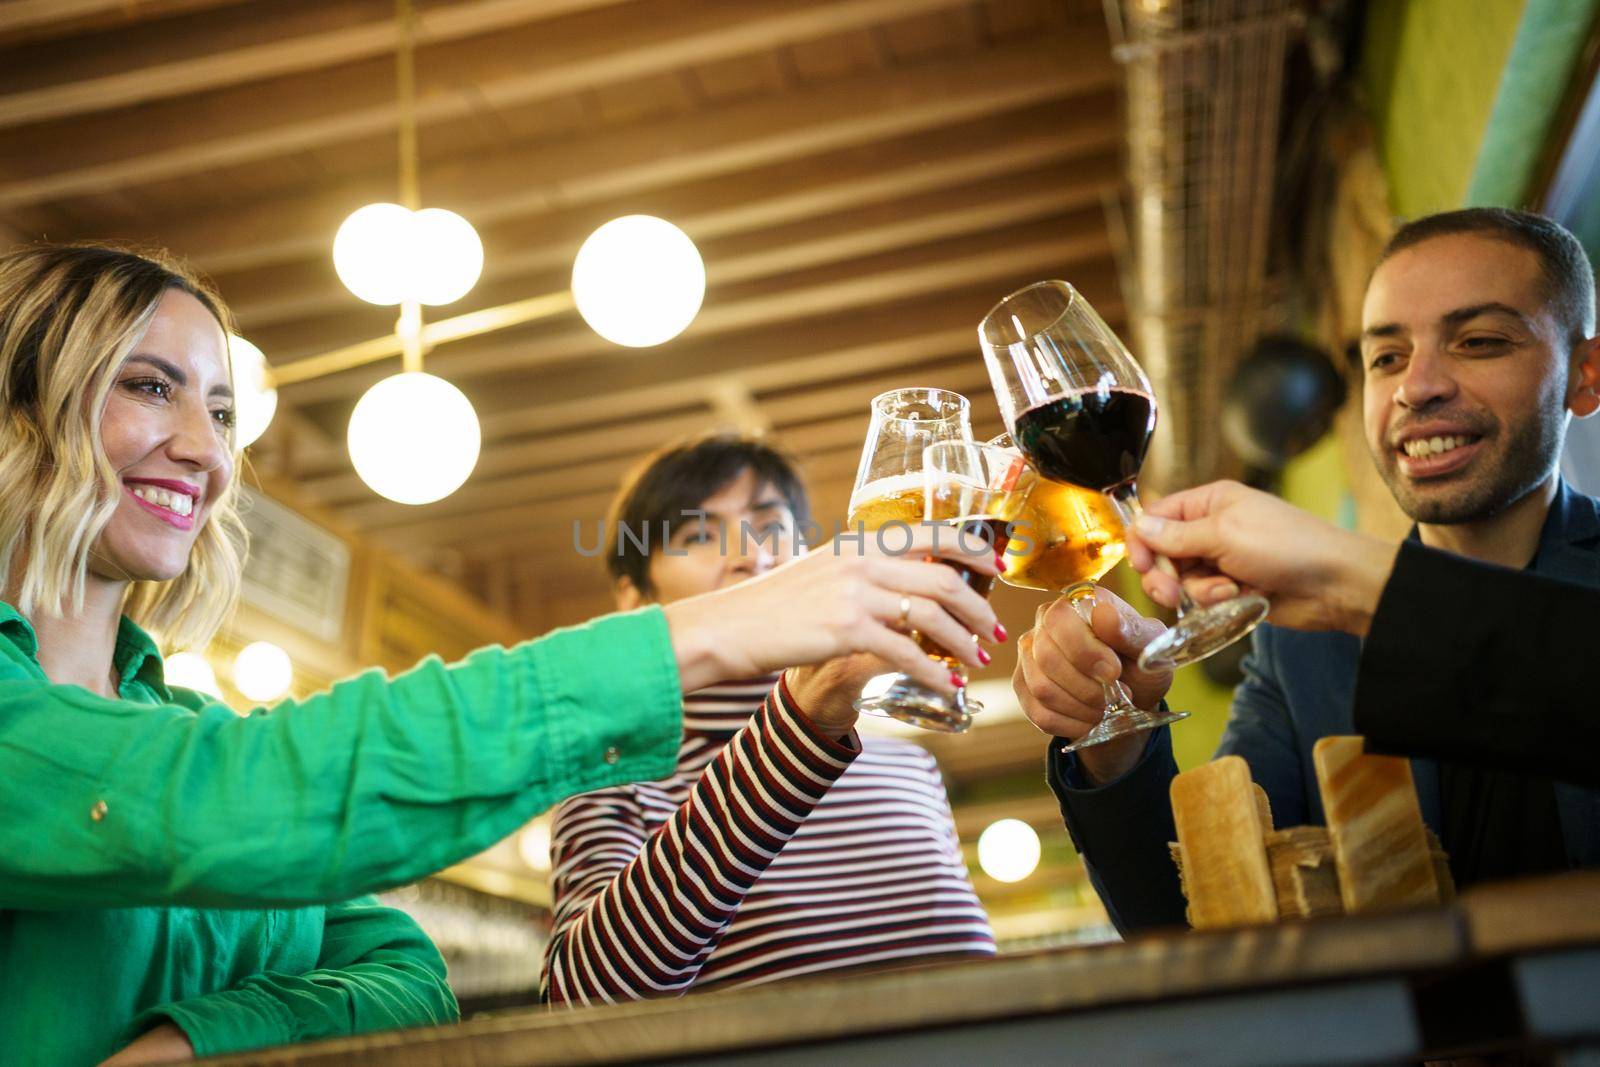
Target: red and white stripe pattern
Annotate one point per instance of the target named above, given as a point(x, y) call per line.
point(773, 852)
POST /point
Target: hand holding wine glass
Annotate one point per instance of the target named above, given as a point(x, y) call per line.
point(1081, 410)
point(1067, 660)
point(1224, 536)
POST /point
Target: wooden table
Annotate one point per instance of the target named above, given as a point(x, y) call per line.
point(1515, 966)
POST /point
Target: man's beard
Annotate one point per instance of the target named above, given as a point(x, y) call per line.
point(1530, 454)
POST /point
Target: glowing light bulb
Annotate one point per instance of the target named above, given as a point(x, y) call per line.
point(448, 256)
point(255, 401)
point(190, 670)
point(388, 254)
point(372, 253)
point(1008, 850)
point(414, 438)
point(638, 281)
point(262, 671)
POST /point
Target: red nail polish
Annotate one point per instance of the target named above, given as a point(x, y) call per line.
point(1000, 560)
point(984, 657)
point(999, 632)
point(957, 681)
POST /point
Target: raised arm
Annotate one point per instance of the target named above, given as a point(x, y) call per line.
point(637, 913)
point(375, 783)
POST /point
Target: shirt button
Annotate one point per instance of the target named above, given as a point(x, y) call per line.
point(612, 755)
point(98, 812)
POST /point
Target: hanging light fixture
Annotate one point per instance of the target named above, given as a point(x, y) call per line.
point(190, 670)
point(1008, 850)
point(390, 254)
point(638, 281)
point(255, 399)
point(407, 255)
point(399, 460)
point(262, 671)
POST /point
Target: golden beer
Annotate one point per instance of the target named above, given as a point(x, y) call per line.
point(897, 499)
point(1064, 535)
point(903, 499)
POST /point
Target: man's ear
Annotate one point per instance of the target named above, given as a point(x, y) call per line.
point(628, 595)
point(1585, 398)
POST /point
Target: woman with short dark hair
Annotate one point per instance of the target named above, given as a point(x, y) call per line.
point(784, 843)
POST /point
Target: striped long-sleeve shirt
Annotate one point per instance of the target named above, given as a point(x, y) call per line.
point(773, 852)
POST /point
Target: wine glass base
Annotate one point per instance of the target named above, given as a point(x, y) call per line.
point(1121, 724)
point(909, 702)
point(1204, 631)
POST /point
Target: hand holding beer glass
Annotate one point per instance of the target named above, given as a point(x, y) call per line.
point(920, 464)
point(971, 494)
point(1080, 408)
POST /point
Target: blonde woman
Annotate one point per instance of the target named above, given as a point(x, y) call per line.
point(176, 880)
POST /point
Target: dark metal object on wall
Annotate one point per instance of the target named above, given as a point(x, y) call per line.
point(1281, 400)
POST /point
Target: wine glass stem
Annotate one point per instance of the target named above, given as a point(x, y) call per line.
point(1125, 499)
point(1082, 597)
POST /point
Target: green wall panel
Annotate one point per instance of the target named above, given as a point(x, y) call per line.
point(1431, 73)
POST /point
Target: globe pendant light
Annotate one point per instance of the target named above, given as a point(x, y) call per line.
point(413, 437)
point(255, 399)
point(190, 670)
point(390, 254)
point(638, 281)
point(262, 671)
point(1008, 850)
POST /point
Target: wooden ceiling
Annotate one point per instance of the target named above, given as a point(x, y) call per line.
point(864, 178)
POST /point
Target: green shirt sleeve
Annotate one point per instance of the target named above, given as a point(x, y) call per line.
point(373, 784)
point(377, 971)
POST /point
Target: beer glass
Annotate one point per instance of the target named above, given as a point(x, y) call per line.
point(1080, 408)
point(890, 490)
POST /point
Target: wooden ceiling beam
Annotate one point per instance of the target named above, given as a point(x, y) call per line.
point(597, 417)
point(249, 124)
point(842, 346)
point(846, 289)
point(138, 65)
point(726, 205)
point(31, 20)
point(561, 174)
point(494, 529)
point(807, 423)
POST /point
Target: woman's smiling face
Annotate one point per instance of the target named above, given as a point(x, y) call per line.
point(167, 432)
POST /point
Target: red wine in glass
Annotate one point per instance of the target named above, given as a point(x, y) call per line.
point(1096, 439)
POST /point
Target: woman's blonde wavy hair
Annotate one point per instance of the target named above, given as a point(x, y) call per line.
point(69, 316)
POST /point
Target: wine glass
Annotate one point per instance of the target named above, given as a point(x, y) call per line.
point(890, 490)
point(1065, 539)
point(1080, 408)
point(974, 492)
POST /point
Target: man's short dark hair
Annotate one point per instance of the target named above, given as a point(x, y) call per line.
point(1567, 275)
point(678, 479)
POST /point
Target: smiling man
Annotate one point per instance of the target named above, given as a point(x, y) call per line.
point(1477, 350)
